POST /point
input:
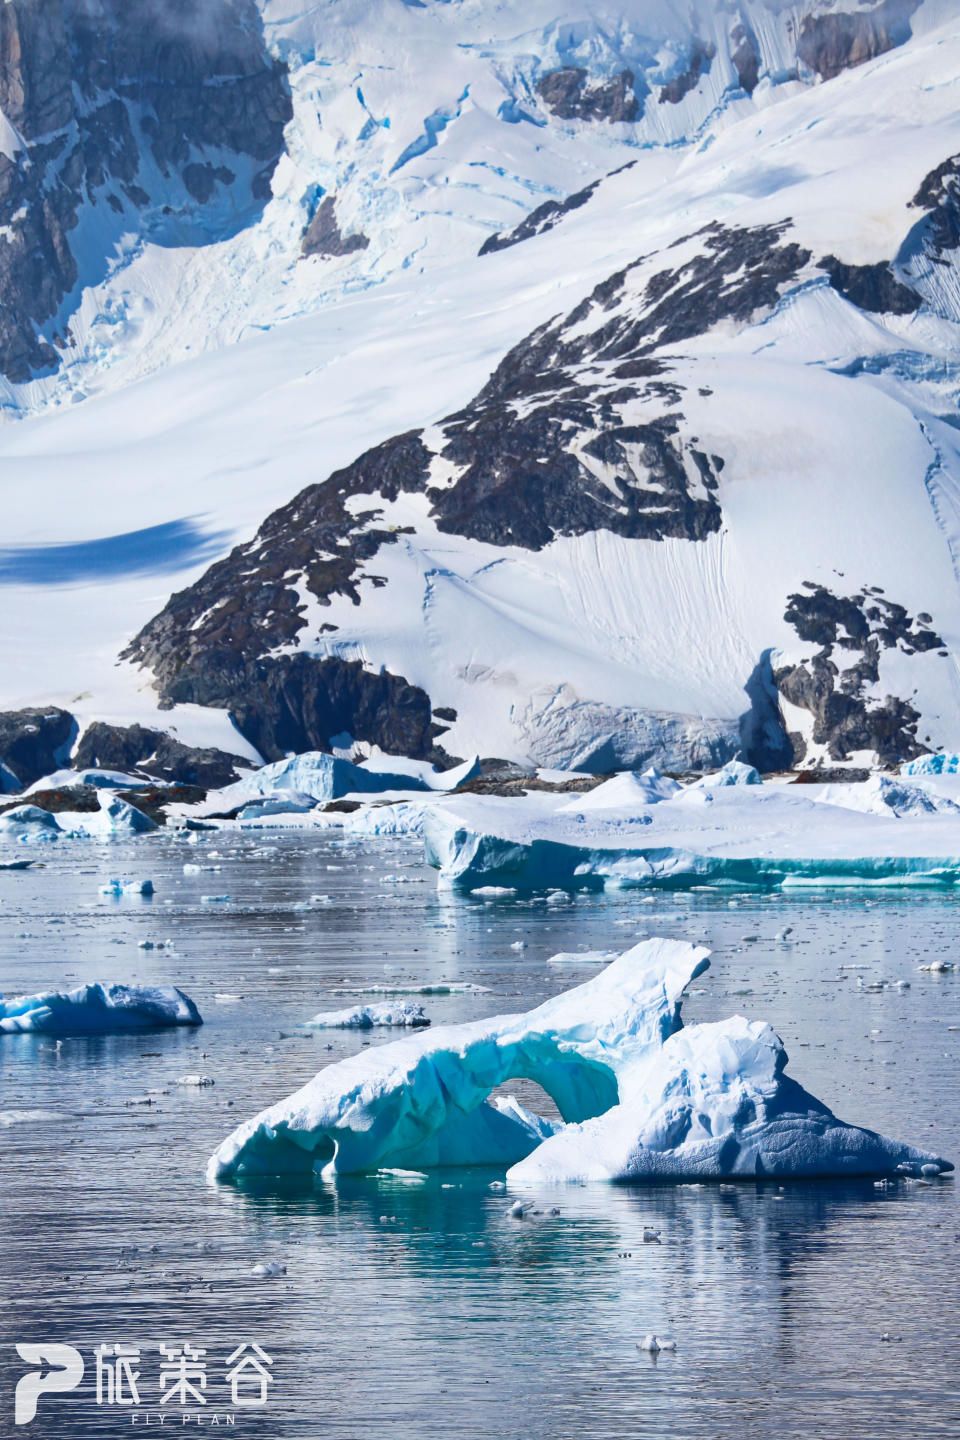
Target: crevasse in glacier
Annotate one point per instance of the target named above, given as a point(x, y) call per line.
point(641, 1097)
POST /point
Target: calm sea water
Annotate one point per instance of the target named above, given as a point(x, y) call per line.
point(420, 1311)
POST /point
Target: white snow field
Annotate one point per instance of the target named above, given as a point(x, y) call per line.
point(642, 1098)
point(208, 386)
point(98, 1009)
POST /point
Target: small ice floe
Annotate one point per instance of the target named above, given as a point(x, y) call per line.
point(497, 1186)
point(197, 1080)
point(583, 957)
point(922, 1170)
point(33, 1117)
point(127, 887)
point(493, 892)
point(938, 967)
point(404, 1177)
point(781, 935)
point(214, 899)
point(518, 1210)
point(222, 998)
point(268, 1270)
point(365, 1017)
point(655, 1343)
point(189, 869)
point(650, 1237)
point(873, 987)
point(519, 945)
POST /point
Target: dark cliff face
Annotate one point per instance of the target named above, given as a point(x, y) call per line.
point(833, 42)
point(122, 104)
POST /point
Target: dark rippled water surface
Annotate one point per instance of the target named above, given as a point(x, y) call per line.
point(420, 1311)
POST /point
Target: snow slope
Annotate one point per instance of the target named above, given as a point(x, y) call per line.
point(833, 421)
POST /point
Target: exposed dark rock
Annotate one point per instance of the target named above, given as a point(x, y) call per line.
point(516, 787)
point(871, 287)
point(939, 187)
point(34, 743)
point(82, 798)
point(701, 57)
point(570, 95)
point(745, 54)
point(153, 802)
point(546, 216)
point(106, 93)
point(830, 775)
point(544, 450)
point(830, 43)
point(153, 752)
point(846, 718)
point(323, 235)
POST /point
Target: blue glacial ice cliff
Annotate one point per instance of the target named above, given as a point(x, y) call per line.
point(641, 1097)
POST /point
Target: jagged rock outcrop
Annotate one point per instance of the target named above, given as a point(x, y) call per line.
point(570, 94)
point(702, 53)
point(324, 237)
point(33, 743)
point(834, 685)
point(130, 105)
point(832, 42)
point(153, 752)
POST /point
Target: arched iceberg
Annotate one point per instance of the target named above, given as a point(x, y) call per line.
point(641, 1097)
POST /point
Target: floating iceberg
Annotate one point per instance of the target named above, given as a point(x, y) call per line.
point(28, 819)
point(115, 817)
point(365, 1017)
point(117, 888)
point(641, 1097)
point(98, 1009)
point(733, 773)
point(308, 778)
point(750, 836)
point(880, 795)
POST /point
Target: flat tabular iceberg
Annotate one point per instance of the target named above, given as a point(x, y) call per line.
point(642, 1098)
point(98, 1009)
point(365, 1017)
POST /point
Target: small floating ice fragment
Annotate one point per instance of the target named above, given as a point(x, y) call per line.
point(196, 1080)
point(127, 887)
point(365, 1017)
point(268, 1270)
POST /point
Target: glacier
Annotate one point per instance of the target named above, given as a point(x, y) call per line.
point(98, 1009)
point(641, 1097)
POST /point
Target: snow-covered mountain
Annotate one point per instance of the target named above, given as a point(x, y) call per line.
point(595, 368)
